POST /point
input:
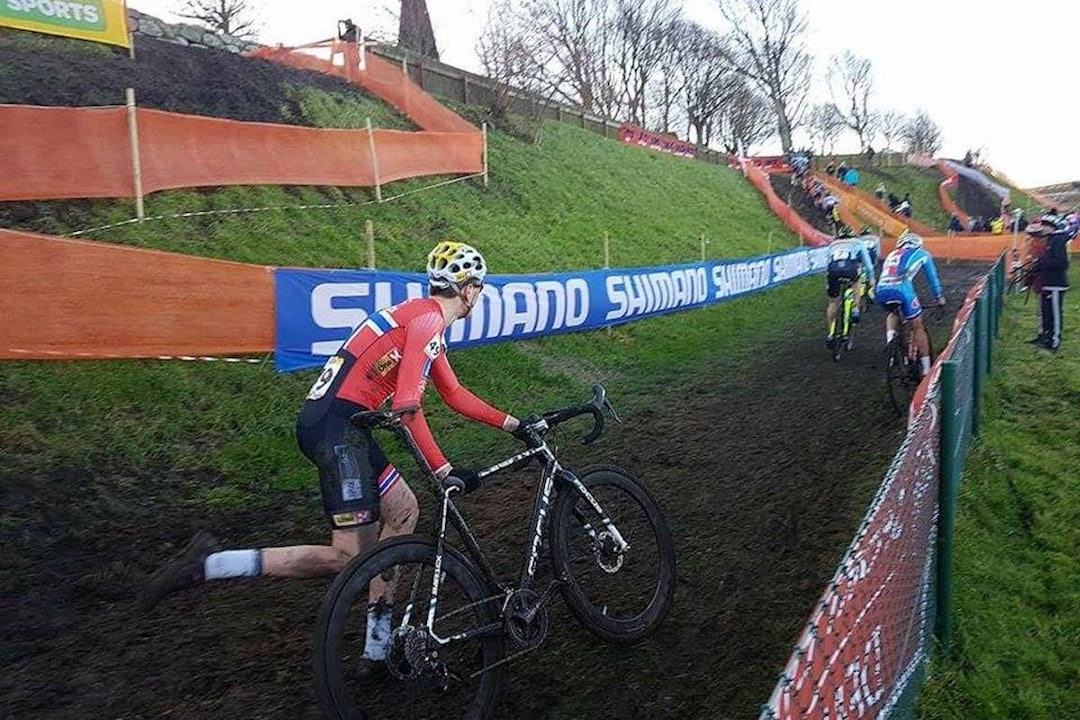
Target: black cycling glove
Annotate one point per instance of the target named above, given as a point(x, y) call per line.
point(469, 478)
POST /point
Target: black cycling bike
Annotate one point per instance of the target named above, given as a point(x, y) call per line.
point(842, 329)
point(455, 624)
point(903, 372)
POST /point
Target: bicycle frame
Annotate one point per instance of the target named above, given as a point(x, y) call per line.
point(551, 472)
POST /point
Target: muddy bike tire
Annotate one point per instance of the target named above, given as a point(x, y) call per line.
point(898, 374)
point(650, 561)
point(348, 595)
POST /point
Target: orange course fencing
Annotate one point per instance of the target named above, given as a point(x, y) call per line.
point(947, 202)
point(76, 299)
point(870, 211)
point(807, 233)
point(383, 79)
point(58, 152)
point(55, 153)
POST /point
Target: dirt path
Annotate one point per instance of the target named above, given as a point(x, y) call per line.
point(764, 472)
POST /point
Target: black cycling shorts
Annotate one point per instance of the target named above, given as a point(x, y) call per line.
point(354, 472)
point(849, 269)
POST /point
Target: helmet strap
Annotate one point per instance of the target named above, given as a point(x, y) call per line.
point(460, 290)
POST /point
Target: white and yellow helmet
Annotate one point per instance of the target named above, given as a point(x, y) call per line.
point(455, 264)
point(909, 239)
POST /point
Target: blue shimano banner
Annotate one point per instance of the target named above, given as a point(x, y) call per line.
point(317, 310)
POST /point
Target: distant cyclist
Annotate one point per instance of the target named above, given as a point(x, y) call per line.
point(391, 355)
point(848, 258)
point(897, 285)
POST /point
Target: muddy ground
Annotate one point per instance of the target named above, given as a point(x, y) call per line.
point(761, 496)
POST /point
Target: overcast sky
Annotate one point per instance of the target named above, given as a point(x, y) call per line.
point(991, 80)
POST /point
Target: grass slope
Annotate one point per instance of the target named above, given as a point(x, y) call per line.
point(921, 183)
point(547, 208)
point(1017, 572)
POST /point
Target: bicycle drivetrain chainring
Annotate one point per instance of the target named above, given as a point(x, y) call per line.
point(525, 618)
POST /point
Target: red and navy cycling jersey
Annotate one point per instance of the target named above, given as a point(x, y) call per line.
point(391, 355)
point(903, 264)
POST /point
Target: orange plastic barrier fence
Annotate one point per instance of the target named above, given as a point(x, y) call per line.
point(968, 246)
point(381, 78)
point(947, 202)
point(806, 232)
point(870, 211)
point(67, 299)
point(52, 153)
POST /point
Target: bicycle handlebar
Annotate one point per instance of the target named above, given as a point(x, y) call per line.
point(597, 407)
point(535, 426)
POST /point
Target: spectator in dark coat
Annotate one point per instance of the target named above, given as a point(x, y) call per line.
point(955, 225)
point(1052, 271)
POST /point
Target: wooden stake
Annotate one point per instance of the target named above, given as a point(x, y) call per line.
point(607, 250)
point(374, 161)
point(136, 162)
point(369, 232)
point(484, 130)
point(704, 242)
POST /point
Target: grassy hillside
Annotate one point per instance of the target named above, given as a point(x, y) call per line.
point(1017, 612)
point(921, 183)
point(547, 208)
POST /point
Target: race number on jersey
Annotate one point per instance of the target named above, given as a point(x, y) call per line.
point(326, 378)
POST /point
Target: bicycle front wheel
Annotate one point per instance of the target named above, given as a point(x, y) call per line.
point(620, 595)
point(420, 677)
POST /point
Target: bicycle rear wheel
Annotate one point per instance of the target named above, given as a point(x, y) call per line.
point(457, 681)
point(620, 596)
point(898, 375)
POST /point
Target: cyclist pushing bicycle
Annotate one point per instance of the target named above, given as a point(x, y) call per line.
point(391, 354)
point(896, 286)
point(849, 260)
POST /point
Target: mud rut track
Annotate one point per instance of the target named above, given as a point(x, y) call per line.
point(764, 472)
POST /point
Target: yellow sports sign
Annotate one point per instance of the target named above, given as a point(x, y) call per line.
point(99, 20)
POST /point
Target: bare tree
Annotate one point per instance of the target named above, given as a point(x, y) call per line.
point(516, 59)
point(746, 117)
point(890, 125)
point(578, 33)
point(708, 78)
point(825, 124)
point(414, 29)
point(670, 83)
point(231, 17)
point(922, 135)
point(852, 79)
point(767, 39)
point(640, 27)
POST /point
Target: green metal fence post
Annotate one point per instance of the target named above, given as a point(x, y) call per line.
point(1000, 267)
point(991, 324)
point(978, 374)
point(947, 490)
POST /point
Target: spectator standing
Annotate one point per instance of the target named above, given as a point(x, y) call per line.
point(879, 191)
point(1052, 271)
point(955, 225)
point(841, 170)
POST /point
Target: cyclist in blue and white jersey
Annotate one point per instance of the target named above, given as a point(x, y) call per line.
point(848, 258)
point(897, 285)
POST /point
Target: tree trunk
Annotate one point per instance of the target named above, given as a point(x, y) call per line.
point(783, 126)
point(414, 31)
